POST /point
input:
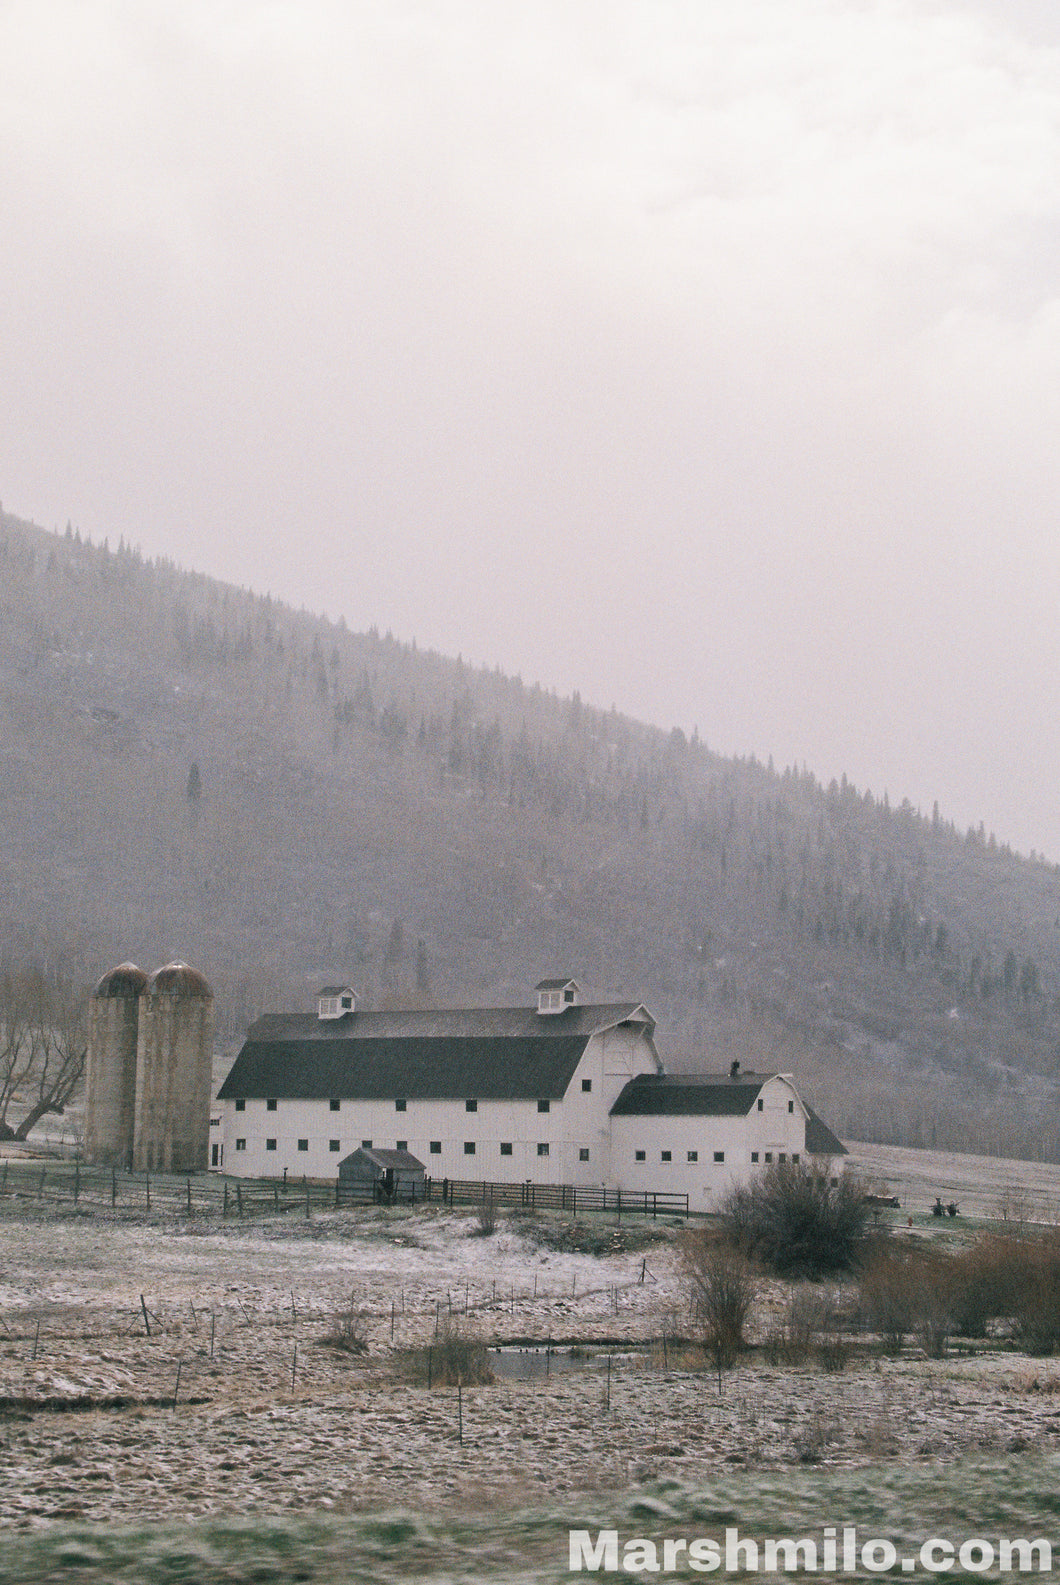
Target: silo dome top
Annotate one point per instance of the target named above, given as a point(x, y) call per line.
point(177, 979)
point(126, 980)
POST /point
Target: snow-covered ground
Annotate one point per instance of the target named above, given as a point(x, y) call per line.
point(268, 1416)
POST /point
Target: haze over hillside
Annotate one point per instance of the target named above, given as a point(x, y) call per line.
point(190, 770)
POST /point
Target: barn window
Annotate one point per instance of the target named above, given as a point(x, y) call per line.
point(587, 1085)
point(402, 1144)
point(270, 1144)
point(638, 1155)
point(542, 1150)
point(754, 1155)
point(470, 1106)
point(506, 1147)
point(469, 1147)
point(436, 1147)
point(335, 1106)
point(583, 1154)
point(761, 1106)
point(303, 1144)
point(366, 1144)
point(270, 1106)
point(542, 1106)
point(400, 1106)
point(241, 1144)
point(333, 1144)
point(241, 1105)
point(719, 1155)
point(693, 1155)
point(791, 1106)
point(769, 1156)
point(795, 1157)
point(666, 1155)
point(782, 1156)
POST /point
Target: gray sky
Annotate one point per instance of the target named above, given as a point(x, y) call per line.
point(703, 357)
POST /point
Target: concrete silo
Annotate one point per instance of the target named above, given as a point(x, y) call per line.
point(110, 1087)
point(174, 1070)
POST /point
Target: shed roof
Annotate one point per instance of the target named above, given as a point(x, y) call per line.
point(820, 1140)
point(689, 1095)
point(399, 1160)
point(492, 1053)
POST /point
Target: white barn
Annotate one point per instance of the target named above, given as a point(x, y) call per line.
point(557, 1093)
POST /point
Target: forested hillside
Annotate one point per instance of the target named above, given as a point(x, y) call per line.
point(190, 770)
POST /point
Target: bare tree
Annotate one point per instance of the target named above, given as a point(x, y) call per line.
point(43, 1047)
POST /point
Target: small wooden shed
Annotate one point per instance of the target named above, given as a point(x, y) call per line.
point(387, 1174)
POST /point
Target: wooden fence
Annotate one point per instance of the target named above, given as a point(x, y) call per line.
point(210, 1194)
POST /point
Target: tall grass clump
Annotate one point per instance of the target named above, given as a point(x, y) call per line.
point(798, 1221)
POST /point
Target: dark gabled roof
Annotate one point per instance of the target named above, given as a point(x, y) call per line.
point(490, 1053)
point(689, 1095)
point(555, 985)
point(400, 1160)
point(820, 1140)
point(335, 990)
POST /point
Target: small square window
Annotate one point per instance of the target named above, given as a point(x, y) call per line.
point(587, 1085)
point(270, 1144)
point(761, 1106)
point(542, 1106)
point(754, 1155)
point(402, 1144)
point(335, 1106)
point(542, 1150)
point(241, 1104)
point(303, 1144)
point(400, 1106)
point(583, 1154)
point(436, 1147)
point(667, 1155)
point(506, 1147)
point(366, 1144)
point(215, 1122)
point(333, 1145)
point(693, 1155)
point(769, 1156)
point(241, 1144)
point(469, 1147)
point(638, 1155)
point(470, 1106)
point(270, 1106)
point(719, 1155)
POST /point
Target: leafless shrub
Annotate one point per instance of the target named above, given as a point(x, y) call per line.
point(797, 1220)
point(1037, 1309)
point(349, 1331)
point(485, 1221)
point(452, 1360)
point(891, 1283)
point(723, 1293)
point(799, 1329)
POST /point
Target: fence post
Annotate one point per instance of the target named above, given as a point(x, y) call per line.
point(40, 1187)
point(77, 1180)
point(574, 1200)
point(4, 1190)
point(239, 1198)
point(113, 1188)
point(224, 1207)
point(189, 1193)
point(147, 1187)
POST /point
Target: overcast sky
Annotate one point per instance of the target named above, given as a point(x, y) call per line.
point(703, 357)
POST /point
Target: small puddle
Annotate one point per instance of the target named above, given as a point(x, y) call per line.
point(520, 1364)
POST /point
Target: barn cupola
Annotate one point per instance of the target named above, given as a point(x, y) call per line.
point(555, 996)
point(335, 1001)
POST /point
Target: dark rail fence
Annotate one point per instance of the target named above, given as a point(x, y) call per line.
point(208, 1194)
